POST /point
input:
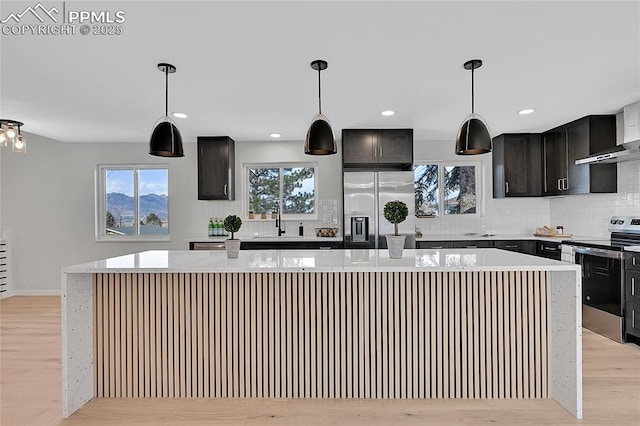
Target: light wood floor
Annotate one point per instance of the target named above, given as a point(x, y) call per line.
point(30, 390)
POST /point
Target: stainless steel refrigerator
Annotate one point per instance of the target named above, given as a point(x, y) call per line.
point(365, 194)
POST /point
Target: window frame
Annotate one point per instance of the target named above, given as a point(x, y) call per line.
point(101, 197)
point(442, 164)
point(281, 166)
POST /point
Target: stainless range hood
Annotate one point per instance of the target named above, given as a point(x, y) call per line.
point(629, 148)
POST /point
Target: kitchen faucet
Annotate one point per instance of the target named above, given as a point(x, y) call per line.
point(279, 220)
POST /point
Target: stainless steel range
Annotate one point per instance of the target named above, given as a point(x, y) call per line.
point(603, 275)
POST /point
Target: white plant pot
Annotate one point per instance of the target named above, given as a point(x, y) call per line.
point(395, 243)
point(233, 247)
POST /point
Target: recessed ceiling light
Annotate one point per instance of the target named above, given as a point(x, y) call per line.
point(387, 112)
point(275, 135)
point(526, 111)
point(180, 115)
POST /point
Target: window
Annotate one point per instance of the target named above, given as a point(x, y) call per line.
point(132, 203)
point(291, 186)
point(446, 189)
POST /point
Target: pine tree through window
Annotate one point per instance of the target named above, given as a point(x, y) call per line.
point(443, 189)
point(290, 186)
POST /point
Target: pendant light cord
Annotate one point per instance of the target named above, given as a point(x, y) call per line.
point(472, 91)
point(319, 94)
point(166, 91)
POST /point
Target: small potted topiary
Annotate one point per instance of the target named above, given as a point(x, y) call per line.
point(395, 212)
point(232, 224)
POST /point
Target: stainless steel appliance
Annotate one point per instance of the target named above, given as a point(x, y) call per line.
point(365, 194)
point(603, 276)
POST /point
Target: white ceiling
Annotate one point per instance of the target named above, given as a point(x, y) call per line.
point(243, 67)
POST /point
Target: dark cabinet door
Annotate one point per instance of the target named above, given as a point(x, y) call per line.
point(434, 244)
point(554, 149)
point(517, 167)
point(549, 249)
point(520, 246)
point(359, 146)
point(473, 244)
point(577, 140)
point(395, 146)
point(216, 168)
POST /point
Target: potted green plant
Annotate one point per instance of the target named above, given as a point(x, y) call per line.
point(395, 212)
point(232, 224)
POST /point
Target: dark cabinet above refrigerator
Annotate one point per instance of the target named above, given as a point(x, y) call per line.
point(373, 149)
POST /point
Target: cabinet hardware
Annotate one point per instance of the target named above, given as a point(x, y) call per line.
point(559, 184)
point(225, 189)
point(565, 184)
point(436, 247)
point(633, 286)
point(510, 246)
point(506, 184)
point(380, 151)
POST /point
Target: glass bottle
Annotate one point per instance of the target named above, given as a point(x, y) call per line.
point(211, 227)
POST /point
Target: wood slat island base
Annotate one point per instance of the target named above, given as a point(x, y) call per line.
point(380, 329)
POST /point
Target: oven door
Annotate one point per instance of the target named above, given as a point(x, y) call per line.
point(602, 284)
point(602, 291)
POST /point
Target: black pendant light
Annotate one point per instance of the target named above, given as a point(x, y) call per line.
point(320, 140)
point(473, 136)
point(165, 139)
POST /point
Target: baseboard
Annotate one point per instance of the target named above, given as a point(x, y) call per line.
point(35, 293)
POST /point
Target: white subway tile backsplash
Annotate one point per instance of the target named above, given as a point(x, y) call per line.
point(589, 214)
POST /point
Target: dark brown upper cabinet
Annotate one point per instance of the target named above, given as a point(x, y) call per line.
point(565, 144)
point(517, 165)
point(377, 148)
point(216, 168)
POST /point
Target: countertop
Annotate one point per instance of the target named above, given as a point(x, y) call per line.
point(492, 237)
point(159, 261)
point(633, 248)
point(256, 238)
point(424, 237)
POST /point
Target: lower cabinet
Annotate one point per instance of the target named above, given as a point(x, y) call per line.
point(632, 319)
point(632, 295)
point(473, 244)
point(549, 249)
point(519, 246)
point(434, 244)
point(290, 245)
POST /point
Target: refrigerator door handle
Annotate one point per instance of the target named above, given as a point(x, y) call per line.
point(376, 209)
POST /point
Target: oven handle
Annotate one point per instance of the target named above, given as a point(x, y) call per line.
point(610, 254)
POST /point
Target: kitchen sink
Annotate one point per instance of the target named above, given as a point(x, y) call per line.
point(274, 237)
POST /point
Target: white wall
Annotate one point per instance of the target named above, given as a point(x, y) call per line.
point(590, 214)
point(47, 204)
point(501, 216)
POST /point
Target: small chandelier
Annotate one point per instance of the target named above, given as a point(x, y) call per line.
point(473, 135)
point(320, 140)
point(10, 133)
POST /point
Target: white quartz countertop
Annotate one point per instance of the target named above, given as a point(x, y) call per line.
point(633, 248)
point(322, 261)
point(257, 238)
point(492, 237)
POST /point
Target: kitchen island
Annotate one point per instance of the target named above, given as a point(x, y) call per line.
point(450, 323)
